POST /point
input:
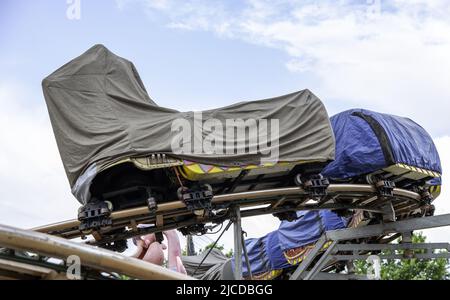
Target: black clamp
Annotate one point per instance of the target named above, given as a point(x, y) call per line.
point(288, 216)
point(94, 215)
point(425, 196)
point(315, 186)
point(427, 208)
point(151, 204)
point(197, 199)
point(116, 246)
point(194, 229)
point(159, 237)
point(385, 188)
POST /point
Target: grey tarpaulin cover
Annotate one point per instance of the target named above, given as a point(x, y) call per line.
point(210, 269)
point(100, 112)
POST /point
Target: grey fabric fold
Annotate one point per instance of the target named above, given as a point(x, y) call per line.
point(100, 112)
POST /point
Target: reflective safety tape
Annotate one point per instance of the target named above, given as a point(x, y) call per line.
point(411, 171)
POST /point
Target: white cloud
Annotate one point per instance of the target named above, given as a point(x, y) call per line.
point(384, 55)
point(442, 203)
point(33, 186)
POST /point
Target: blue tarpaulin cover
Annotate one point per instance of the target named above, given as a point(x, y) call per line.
point(367, 141)
point(266, 253)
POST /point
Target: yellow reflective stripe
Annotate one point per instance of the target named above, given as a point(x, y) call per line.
point(416, 169)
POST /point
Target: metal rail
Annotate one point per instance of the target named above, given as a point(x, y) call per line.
point(93, 257)
point(250, 202)
point(235, 206)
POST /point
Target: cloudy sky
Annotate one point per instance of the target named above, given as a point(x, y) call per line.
point(389, 56)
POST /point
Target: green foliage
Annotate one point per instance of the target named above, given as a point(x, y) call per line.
point(221, 248)
point(218, 247)
point(409, 269)
point(229, 254)
point(209, 246)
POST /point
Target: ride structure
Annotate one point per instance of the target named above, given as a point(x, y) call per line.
point(118, 150)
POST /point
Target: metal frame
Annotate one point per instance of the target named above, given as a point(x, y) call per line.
point(92, 257)
point(312, 266)
point(253, 203)
point(237, 226)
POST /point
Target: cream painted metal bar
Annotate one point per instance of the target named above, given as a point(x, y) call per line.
point(93, 257)
point(18, 270)
point(164, 208)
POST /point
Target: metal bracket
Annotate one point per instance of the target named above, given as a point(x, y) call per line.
point(426, 196)
point(197, 200)
point(194, 229)
point(116, 246)
point(388, 212)
point(385, 188)
point(94, 215)
point(316, 187)
point(290, 215)
point(427, 208)
point(151, 203)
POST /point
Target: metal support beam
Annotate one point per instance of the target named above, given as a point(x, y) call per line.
point(322, 262)
point(394, 227)
point(299, 272)
point(390, 257)
point(190, 248)
point(375, 247)
point(311, 268)
point(247, 260)
point(237, 243)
